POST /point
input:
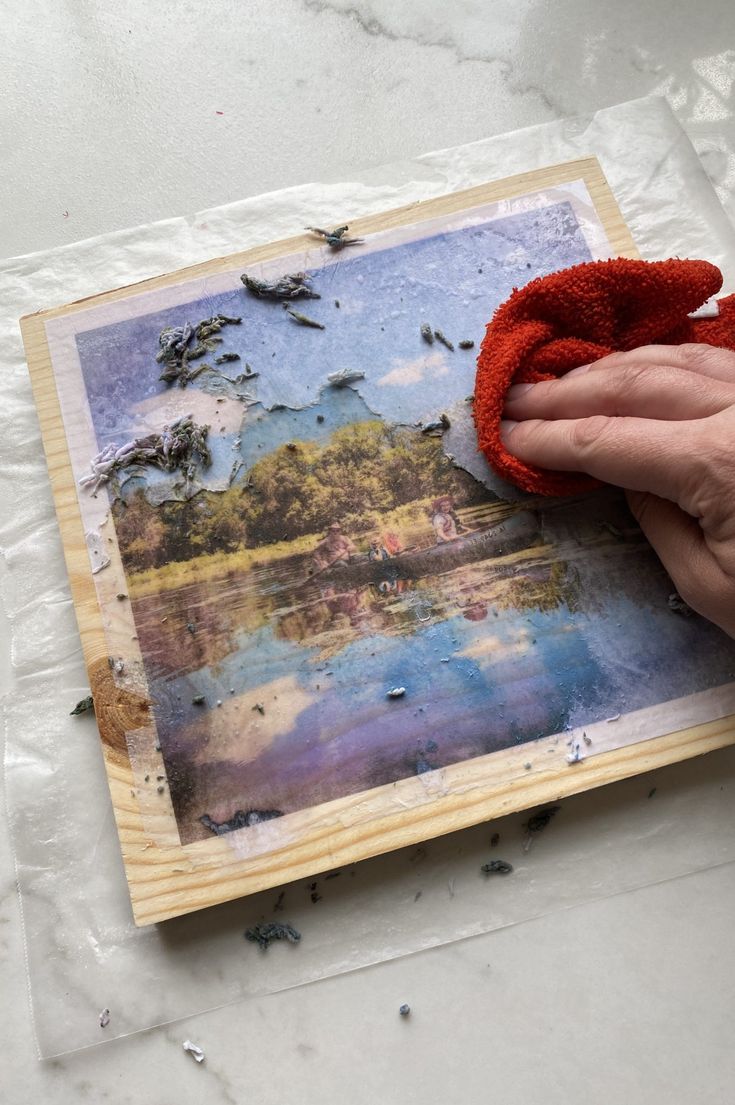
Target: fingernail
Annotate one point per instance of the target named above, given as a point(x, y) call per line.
point(515, 391)
point(576, 371)
point(506, 429)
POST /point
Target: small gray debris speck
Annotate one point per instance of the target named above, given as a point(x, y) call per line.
point(265, 932)
point(497, 867)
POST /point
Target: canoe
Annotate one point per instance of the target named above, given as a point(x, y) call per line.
point(519, 531)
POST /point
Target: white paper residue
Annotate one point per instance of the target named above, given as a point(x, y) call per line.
point(194, 1050)
point(98, 555)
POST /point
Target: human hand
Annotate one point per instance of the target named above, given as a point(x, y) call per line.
point(660, 422)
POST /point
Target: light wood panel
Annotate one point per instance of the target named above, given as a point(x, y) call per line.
point(167, 879)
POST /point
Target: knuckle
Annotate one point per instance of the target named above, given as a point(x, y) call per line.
point(585, 434)
point(632, 377)
point(526, 435)
point(544, 392)
point(711, 484)
point(633, 383)
point(613, 360)
point(713, 451)
point(697, 354)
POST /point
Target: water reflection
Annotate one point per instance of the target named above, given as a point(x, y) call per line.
point(493, 650)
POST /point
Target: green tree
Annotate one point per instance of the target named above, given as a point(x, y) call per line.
point(366, 469)
point(141, 532)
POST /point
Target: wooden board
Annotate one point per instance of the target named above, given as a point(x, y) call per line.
point(167, 878)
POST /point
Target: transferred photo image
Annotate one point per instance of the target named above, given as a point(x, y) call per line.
point(314, 619)
point(348, 606)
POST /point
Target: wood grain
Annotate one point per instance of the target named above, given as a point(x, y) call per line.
point(167, 879)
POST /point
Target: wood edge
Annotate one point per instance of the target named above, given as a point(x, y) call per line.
point(586, 168)
point(431, 821)
point(63, 487)
point(118, 769)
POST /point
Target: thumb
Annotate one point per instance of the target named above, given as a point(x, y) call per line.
point(682, 549)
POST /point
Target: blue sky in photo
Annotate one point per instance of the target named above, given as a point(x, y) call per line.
point(454, 280)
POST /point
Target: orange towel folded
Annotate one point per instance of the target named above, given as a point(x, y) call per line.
point(575, 317)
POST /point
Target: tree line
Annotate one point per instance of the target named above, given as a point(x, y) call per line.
point(364, 471)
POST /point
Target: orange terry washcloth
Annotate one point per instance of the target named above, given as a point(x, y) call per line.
point(575, 317)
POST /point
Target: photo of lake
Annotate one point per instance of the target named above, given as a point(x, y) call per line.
point(336, 603)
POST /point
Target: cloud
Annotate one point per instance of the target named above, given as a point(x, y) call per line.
point(406, 373)
point(517, 257)
point(237, 732)
point(206, 409)
point(491, 648)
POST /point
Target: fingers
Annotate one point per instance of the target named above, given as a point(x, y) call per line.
point(683, 551)
point(704, 360)
point(646, 390)
point(636, 453)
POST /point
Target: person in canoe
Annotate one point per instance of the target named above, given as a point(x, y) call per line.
point(392, 543)
point(377, 550)
point(443, 520)
point(335, 548)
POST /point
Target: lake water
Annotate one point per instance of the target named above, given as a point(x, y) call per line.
point(492, 652)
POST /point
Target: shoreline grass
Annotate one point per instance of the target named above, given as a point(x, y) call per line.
point(212, 566)
point(411, 520)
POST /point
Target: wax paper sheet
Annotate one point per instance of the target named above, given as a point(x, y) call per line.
point(84, 954)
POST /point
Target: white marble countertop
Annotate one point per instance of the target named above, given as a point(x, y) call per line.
point(118, 114)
